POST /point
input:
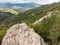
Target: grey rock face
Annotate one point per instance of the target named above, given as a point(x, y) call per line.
point(21, 34)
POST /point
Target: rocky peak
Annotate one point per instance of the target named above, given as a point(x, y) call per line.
point(21, 34)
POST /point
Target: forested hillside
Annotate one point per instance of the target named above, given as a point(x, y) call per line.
point(32, 15)
point(4, 15)
point(48, 28)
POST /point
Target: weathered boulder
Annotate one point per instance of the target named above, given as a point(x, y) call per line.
point(21, 34)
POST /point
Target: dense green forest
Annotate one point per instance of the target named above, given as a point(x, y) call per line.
point(49, 28)
point(4, 15)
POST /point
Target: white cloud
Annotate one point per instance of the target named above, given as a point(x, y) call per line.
point(37, 1)
point(46, 1)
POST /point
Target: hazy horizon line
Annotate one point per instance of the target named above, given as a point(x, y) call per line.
point(26, 2)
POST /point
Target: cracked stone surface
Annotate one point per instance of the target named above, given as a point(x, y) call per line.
point(21, 34)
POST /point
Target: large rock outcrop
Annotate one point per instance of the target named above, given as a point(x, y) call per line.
point(21, 34)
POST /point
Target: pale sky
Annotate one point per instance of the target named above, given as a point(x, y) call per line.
point(26, 1)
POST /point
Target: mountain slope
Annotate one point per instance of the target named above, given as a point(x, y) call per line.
point(49, 28)
point(46, 16)
point(24, 5)
point(18, 7)
point(32, 15)
point(4, 15)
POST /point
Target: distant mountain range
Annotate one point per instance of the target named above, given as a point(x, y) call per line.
point(24, 5)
